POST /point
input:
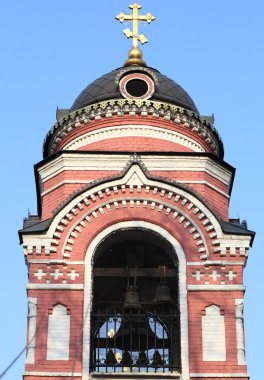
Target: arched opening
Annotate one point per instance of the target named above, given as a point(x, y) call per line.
point(135, 317)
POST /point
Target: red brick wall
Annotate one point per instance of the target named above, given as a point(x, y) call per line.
point(63, 190)
point(73, 300)
point(135, 144)
point(197, 302)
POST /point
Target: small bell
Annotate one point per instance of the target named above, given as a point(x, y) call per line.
point(126, 361)
point(142, 359)
point(110, 359)
point(132, 299)
point(157, 360)
point(163, 294)
point(134, 333)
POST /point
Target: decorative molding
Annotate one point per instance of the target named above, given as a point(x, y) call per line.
point(241, 350)
point(215, 262)
point(135, 165)
point(121, 107)
point(216, 274)
point(130, 69)
point(199, 214)
point(225, 288)
point(52, 374)
point(76, 162)
point(134, 130)
point(218, 374)
point(54, 261)
point(47, 244)
point(136, 375)
point(176, 214)
point(32, 330)
point(54, 286)
point(144, 78)
point(182, 289)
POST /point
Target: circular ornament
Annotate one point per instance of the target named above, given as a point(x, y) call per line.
point(137, 86)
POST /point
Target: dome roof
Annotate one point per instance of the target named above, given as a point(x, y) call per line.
point(107, 87)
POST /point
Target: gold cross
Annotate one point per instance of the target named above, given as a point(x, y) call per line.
point(136, 18)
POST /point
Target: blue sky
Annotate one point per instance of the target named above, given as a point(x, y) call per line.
point(50, 50)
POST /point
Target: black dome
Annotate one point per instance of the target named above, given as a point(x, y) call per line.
point(106, 88)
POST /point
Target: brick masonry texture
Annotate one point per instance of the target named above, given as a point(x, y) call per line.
point(214, 270)
point(57, 189)
point(130, 120)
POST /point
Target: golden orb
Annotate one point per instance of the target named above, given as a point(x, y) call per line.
point(135, 58)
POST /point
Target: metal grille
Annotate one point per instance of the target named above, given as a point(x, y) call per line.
point(135, 341)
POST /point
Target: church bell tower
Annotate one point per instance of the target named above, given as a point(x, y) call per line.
point(135, 268)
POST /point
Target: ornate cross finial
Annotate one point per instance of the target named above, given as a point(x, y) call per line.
point(135, 54)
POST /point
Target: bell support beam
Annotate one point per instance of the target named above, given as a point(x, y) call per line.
point(141, 272)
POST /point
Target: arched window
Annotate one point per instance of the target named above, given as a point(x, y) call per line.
point(135, 314)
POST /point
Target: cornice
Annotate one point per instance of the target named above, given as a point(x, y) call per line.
point(122, 107)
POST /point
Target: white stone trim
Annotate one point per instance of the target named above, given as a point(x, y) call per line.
point(55, 261)
point(96, 162)
point(135, 375)
point(32, 330)
point(234, 241)
point(58, 340)
point(213, 335)
point(55, 286)
point(218, 374)
point(182, 290)
point(215, 262)
point(241, 351)
point(38, 242)
point(52, 374)
point(133, 130)
point(226, 288)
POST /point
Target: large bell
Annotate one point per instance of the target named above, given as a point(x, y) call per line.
point(132, 299)
point(163, 294)
point(134, 333)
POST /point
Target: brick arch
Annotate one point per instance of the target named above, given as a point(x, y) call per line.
point(179, 252)
point(149, 194)
point(124, 209)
